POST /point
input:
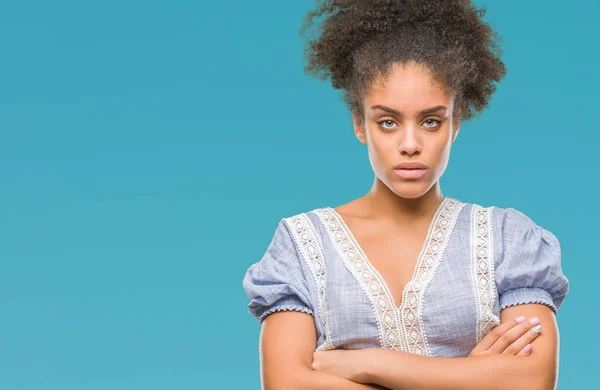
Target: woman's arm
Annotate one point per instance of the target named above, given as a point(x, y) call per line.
point(398, 370)
point(287, 344)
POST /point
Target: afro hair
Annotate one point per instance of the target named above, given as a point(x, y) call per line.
point(360, 40)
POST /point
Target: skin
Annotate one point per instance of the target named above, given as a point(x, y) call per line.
point(406, 137)
point(397, 211)
point(391, 221)
point(397, 370)
point(410, 135)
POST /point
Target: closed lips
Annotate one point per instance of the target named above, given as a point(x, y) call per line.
point(412, 165)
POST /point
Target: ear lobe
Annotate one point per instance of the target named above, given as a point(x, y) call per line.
point(455, 129)
point(455, 134)
point(359, 130)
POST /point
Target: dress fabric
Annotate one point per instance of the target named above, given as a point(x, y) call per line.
point(475, 262)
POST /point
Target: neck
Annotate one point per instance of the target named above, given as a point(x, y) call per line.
point(383, 202)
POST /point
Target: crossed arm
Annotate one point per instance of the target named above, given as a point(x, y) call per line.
point(287, 344)
point(287, 348)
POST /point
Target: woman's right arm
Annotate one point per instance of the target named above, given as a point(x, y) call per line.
point(282, 299)
point(287, 343)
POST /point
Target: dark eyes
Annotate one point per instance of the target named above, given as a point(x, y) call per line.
point(387, 124)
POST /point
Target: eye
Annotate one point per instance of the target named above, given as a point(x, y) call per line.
point(435, 122)
point(386, 122)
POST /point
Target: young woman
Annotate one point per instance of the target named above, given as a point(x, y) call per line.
point(404, 287)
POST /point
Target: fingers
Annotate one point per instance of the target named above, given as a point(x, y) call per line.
point(522, 342)
point(493, 336)
point(513, 335)
point(525, 351)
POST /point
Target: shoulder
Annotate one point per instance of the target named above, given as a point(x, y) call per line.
point(286, 250)
point(517, 226)
point(308, 216)
point(295, 223)
point(294, 228)
point(278, 282)
point(511, 226)
point(512, 217)
point(528, 265)
point(508, 218)
point(288, 223)
point(509, 214)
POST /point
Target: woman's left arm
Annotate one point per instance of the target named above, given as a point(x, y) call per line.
point(398, 370)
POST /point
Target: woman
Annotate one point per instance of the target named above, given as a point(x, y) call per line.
point(404, 287)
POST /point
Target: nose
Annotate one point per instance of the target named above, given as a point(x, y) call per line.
point(409, 141)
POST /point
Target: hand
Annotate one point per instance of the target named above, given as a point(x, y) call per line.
point(344, 363)
point(512, 338)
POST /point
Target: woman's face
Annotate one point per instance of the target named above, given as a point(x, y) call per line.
point(408, 119)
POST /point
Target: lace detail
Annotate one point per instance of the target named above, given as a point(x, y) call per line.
point(431, 255)
point(482, 264)
point(399, 328)
point(367, 277)
point(284, 308)
point(311, 249)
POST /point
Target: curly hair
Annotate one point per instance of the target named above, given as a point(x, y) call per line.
point(360, 40)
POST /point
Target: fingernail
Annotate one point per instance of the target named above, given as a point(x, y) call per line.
point(537, 329)
point(527, 348)
point(535, 321)
point(520, 319)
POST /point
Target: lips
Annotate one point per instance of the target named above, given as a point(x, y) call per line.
point(410, 173)
point(411, 165)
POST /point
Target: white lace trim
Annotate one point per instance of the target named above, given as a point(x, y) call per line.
point(285, 308)
point(399, 328)
point(411, 310)
point(303, 232)
point(367, 277)
point(482, 265)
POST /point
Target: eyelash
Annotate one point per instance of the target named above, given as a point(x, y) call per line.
point(389, 120)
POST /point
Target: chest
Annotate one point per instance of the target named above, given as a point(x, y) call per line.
point(393, 252)
point(411, 290)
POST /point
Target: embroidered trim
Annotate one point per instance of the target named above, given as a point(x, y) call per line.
point(303, 232)
point(368, 279)
point(399, 328)
point(432, 253)
point(284, 308)
point(482, 265)
point(540, 295)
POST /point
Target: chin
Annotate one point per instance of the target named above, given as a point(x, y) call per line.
point(410, 190)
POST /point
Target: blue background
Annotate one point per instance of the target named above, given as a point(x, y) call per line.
point(148, 150)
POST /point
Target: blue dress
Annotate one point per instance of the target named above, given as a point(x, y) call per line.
point(475, 262)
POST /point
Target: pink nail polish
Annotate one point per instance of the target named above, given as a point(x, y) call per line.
point(520, 319)
point(527, 348)
point(535, 321)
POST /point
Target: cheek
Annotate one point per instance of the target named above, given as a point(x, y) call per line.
point(382, 151)
point(442, 143)
point(442, 155)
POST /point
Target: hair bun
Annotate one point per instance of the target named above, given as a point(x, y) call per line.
point(360, 39)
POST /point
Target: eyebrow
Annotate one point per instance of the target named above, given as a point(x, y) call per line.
point(424, 112)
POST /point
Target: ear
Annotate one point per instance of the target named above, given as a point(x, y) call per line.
point(359, 129)
point(455, 128)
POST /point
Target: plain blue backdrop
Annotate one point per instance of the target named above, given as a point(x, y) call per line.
point(148, 150)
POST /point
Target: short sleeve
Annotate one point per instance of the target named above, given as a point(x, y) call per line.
point(529, 270)
point(277, 282)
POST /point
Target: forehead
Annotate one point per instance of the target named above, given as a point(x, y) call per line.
point(408, 87)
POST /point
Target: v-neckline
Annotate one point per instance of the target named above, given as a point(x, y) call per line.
point(418, 264)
